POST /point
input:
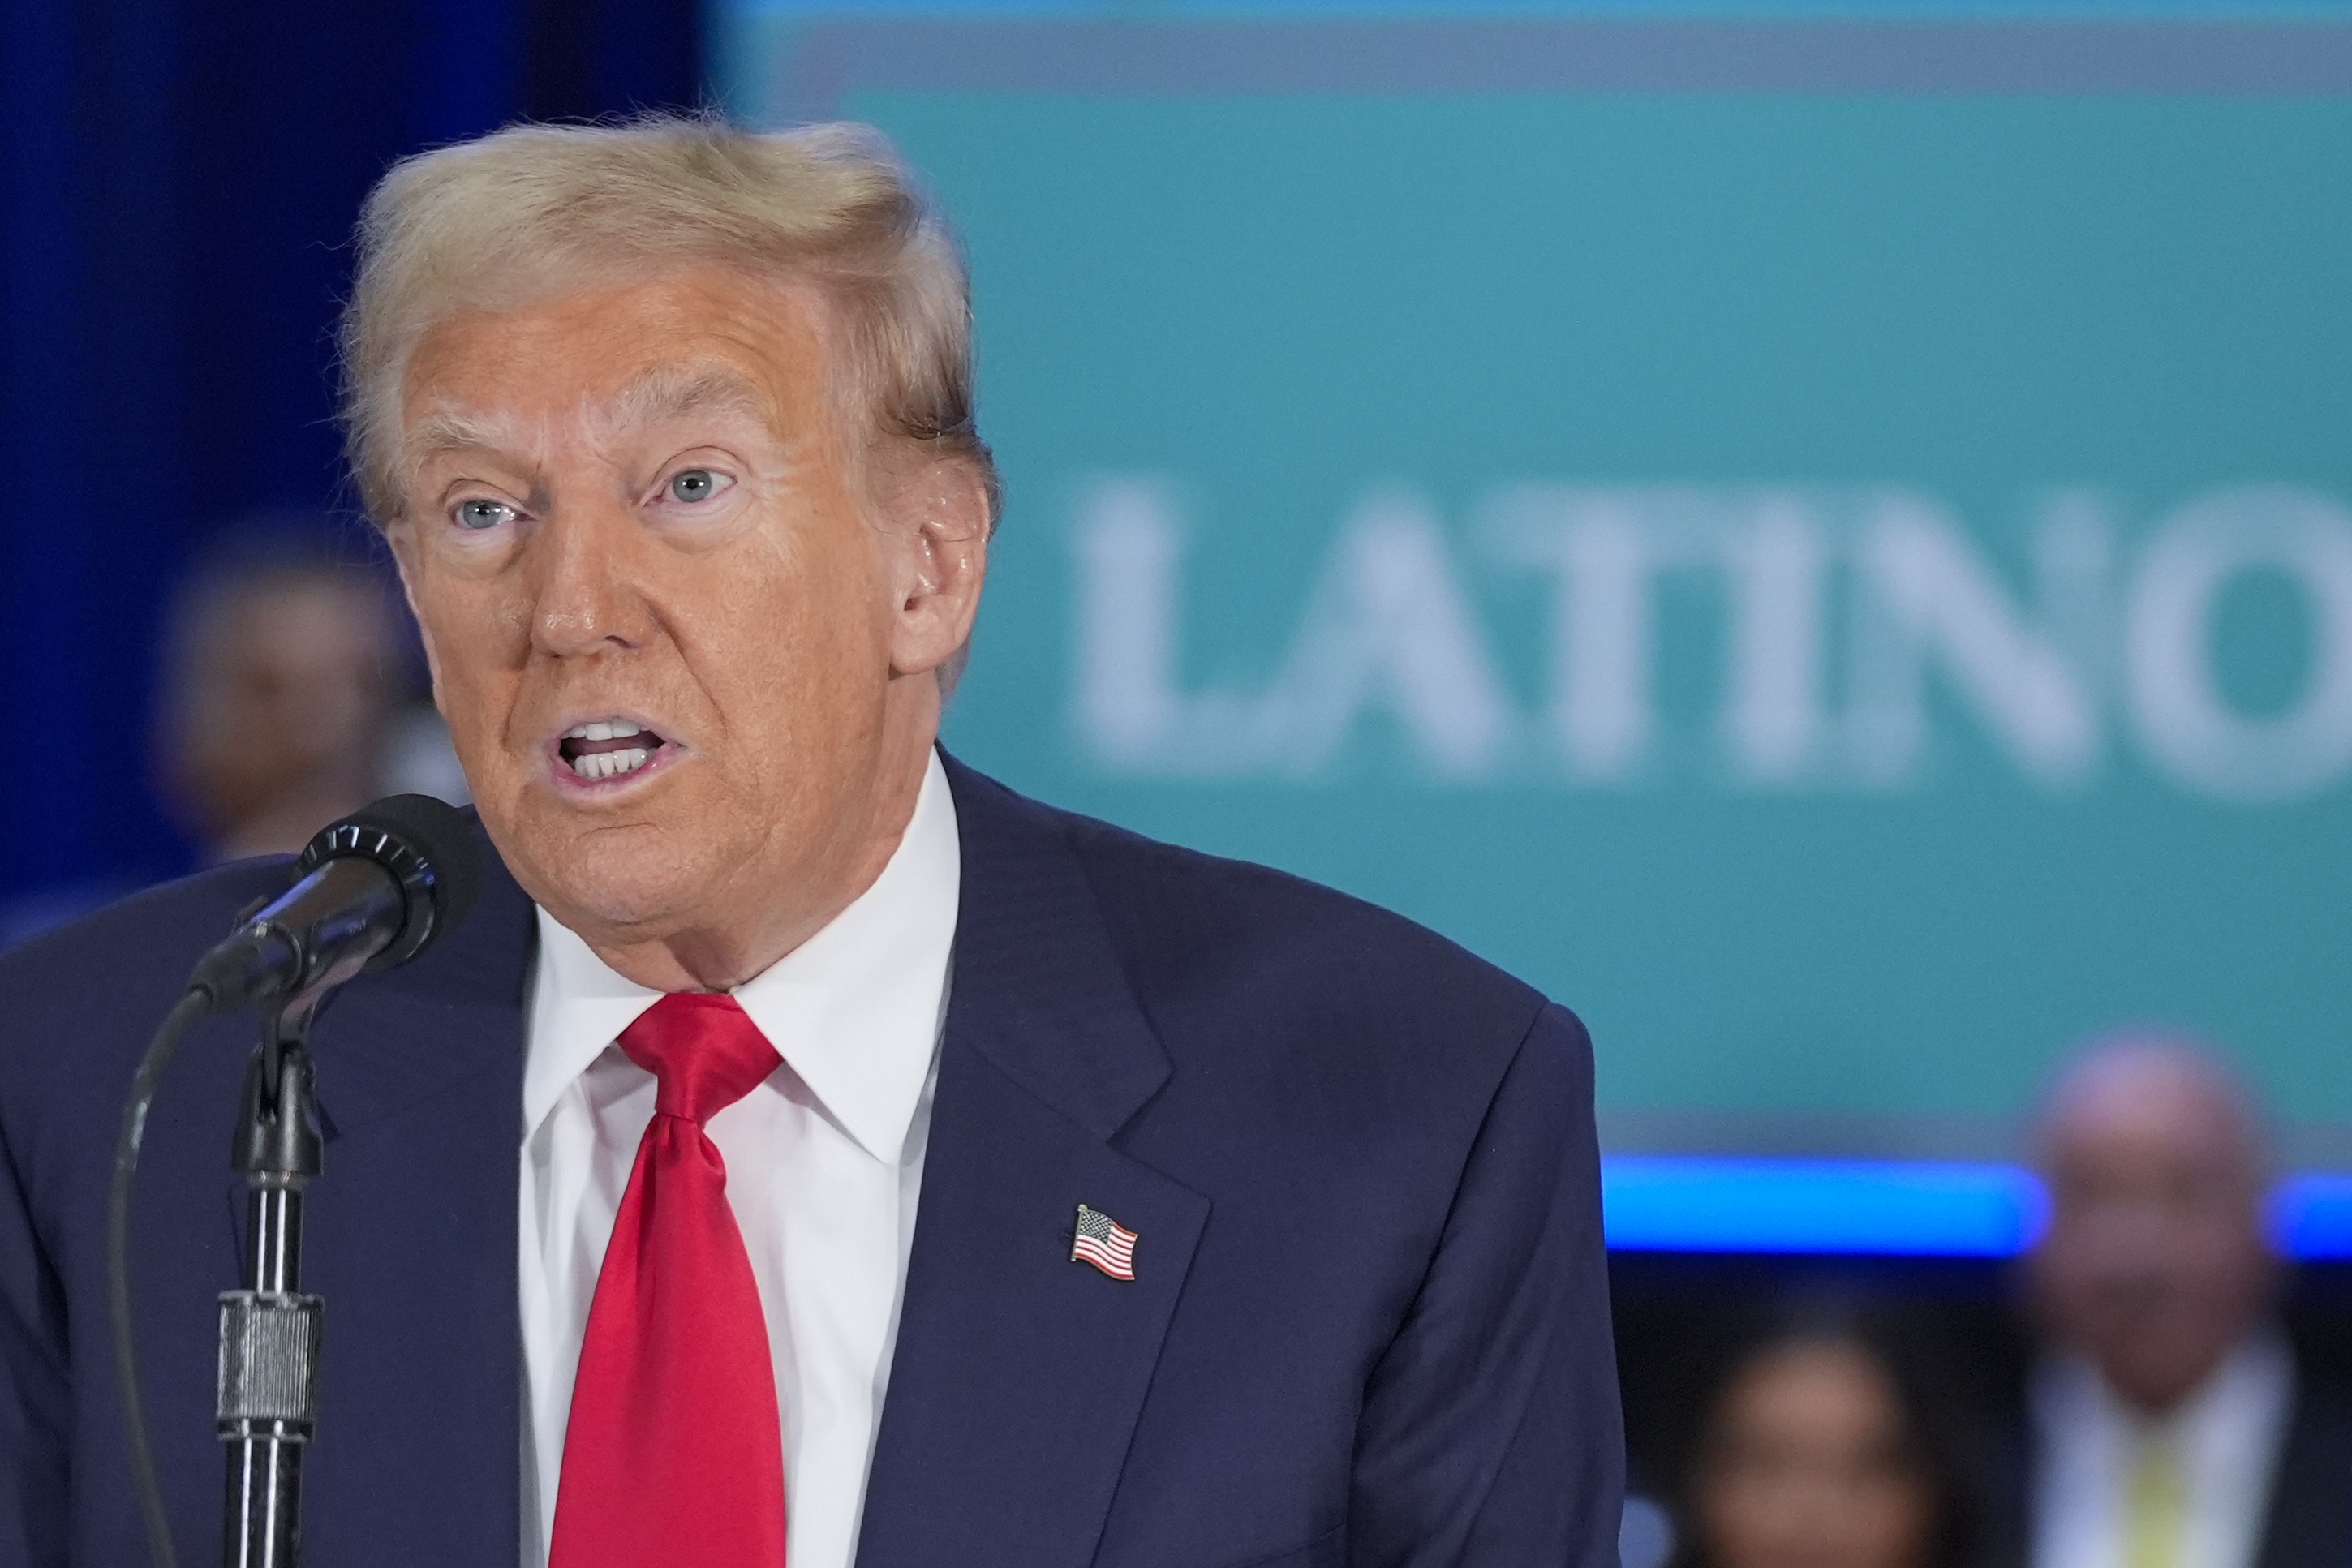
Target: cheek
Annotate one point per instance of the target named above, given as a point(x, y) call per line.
point(468, 645)
point(810, 626)
point(784, 681)
point(469, 626)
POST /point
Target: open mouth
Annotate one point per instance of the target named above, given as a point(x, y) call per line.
point(608, 748)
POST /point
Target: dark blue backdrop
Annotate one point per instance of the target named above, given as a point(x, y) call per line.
point(177, 184)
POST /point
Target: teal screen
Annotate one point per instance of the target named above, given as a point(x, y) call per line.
point(1840, 573)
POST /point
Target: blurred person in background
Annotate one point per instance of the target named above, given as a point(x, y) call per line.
point(284, 701)
point(2168, 1426)
point(1825, 1437)
point(284, 674)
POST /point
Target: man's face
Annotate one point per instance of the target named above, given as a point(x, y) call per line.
point(681, 652)
point(2155, 1265)
point(286, 700)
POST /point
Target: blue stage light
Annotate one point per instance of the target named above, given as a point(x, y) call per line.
point(2311, 1218)
point(1888, 1209)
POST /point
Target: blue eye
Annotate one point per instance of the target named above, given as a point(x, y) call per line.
point(697, 485)
point(480, 515)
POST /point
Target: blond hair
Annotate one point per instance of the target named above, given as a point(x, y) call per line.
point(527, 211)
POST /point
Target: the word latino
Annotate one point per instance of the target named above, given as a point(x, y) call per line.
point(1850, 624)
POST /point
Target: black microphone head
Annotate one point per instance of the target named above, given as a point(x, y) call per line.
point(427, 846)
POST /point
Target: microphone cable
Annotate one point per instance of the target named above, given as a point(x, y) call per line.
point(194, 1004)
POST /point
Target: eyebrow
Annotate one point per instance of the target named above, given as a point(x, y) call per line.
point(450, 429)
point(668, 391)
point(665, 392)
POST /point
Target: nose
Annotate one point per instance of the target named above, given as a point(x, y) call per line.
point(586, 600)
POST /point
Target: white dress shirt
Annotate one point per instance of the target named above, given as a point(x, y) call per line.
point(824, 1162)
point(2227, 1435)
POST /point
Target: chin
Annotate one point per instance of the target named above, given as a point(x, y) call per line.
point(632, 881)
point(601, 907)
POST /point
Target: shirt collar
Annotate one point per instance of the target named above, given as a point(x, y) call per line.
point(855, 1010)
point(2252, 1385)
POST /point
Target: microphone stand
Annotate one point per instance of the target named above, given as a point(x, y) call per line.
point(268, 1388)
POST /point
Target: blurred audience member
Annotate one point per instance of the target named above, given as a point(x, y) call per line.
point(283, 670)
point(1824, 1439)
point(2169, 1427)
point(284, 704)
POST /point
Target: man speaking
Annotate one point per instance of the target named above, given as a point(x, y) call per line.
point(808, 1150)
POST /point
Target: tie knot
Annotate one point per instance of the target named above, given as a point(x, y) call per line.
point(703, 1050)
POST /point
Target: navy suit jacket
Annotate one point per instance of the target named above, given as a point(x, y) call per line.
point(1369, 1323)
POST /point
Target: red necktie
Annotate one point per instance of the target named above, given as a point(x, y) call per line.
point(674, 1452)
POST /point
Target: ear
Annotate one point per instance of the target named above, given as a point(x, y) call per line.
point(940, 560)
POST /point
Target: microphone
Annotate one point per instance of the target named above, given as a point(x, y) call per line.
point(373, 890)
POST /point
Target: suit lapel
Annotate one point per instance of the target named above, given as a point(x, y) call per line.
point(1018, 1375)
point(411, 1240)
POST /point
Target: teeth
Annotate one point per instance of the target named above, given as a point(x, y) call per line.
point(604, 730)
point(609, 764)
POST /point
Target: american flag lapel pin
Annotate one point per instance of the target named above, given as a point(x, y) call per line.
point(1104, 1242)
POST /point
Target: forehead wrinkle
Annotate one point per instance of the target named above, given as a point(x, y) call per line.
point(669, 392)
